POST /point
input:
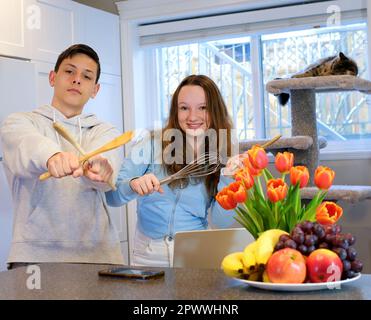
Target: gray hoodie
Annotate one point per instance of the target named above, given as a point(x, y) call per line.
point(57, 220)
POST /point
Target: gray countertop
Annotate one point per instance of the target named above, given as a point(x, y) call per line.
point(81, 281)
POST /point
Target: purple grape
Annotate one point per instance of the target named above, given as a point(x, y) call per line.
point(311, 249)
point(330, 229)
point(342, 253)
point(346, 265)
point(319, 230)
point(279, 246)
point(309, 240)
point(324, 245)
point(303, 249)
point(350, 274)
point(284, 237)
point(329, 238)
point(339, 241)
point(315, 238)
point(290, 244)
point(307, 226)
point(357, 266)
point(297, 229)
point(350, 238)
point(352, 253)
point(298, 238)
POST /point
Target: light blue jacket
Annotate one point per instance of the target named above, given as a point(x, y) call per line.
point(161, 215)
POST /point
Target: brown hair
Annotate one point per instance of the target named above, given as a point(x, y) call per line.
point(218, 119)
point(78, 49)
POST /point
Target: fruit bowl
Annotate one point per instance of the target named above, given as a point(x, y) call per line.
point(335, 285)
point(311, 257)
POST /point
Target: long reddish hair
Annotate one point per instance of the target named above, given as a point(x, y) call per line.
point(218, 119)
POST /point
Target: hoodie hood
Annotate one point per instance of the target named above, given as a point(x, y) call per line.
point(84, 120)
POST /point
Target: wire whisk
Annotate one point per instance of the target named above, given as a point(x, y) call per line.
point(206, 164)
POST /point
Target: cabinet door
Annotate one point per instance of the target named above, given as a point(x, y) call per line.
point(101, 31)
point(44, 90)
point(18, 18)
point(57, 29)
point(11, 85)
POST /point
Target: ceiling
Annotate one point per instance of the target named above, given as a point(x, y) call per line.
point(105, 5)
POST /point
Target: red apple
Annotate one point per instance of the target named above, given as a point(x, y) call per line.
point(324, 265)
point(286, 266)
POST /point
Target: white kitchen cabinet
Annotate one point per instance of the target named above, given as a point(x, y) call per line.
point(15, 32)
point(101, 31)
point(56, 31)
point(37, 31)
point(18, 93)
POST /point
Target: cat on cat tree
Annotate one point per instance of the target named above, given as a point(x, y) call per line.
point(338, 64)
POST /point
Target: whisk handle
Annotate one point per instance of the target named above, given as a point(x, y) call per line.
point(166, 180)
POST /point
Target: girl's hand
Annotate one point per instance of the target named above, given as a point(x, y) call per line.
point(146, 184)
point(234, 164)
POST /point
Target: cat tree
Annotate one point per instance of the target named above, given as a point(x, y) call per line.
point(305, 143)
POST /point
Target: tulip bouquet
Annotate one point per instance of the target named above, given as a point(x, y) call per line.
point(278, 205)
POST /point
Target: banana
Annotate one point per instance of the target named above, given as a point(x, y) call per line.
point(265, 245)
point(232, 264)
point(255, 276)
point(248, 259)
point(265, 276)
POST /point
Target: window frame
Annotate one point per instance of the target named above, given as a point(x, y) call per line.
point(139, 27)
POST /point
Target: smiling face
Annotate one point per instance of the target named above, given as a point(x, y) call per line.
point(74, 84)
point(193, 117)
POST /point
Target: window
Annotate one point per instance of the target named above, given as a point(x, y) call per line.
point(226, 62)
point(341, 116)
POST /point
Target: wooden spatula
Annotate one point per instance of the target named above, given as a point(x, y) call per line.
point(113, 144)
point(65, 134)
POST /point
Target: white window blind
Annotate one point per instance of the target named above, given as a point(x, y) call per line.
point(313, 15)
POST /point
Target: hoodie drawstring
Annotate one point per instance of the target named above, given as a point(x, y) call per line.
point(56, 133)
point(78, 124)
point(80, 130)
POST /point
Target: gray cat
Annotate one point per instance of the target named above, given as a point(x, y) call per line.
point(335, 65)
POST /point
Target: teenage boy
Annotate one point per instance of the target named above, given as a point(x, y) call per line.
point(65, 218)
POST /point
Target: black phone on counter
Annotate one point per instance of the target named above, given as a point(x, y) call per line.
point(131, 273)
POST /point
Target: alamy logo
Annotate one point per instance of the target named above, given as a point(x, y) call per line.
point(335, 18)
point(33, 21)
point(34, 280)
point(334, 278)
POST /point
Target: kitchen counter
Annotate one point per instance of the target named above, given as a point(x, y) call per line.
point(81, 281)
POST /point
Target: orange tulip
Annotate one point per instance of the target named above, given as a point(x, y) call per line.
point(276, 190)
point(249, 167)
point(258, 157)
point(323, 177)
point(229, 196)
point(245, 177)
point(299, 174)
point(328, 213)
point(284, 161)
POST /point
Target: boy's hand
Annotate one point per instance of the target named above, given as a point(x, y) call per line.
point(64, 164)
point(146, 184)
point(98, 169)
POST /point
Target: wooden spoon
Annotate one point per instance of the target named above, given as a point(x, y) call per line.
point(113, 144)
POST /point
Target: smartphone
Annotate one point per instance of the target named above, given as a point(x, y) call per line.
point(131, 273)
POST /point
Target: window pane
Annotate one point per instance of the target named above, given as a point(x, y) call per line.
point(227, 62)
point(341, 115)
